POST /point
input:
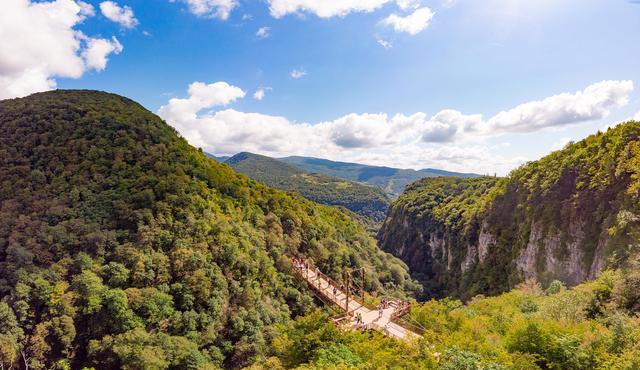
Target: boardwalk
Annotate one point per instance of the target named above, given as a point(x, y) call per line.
point(324, 287)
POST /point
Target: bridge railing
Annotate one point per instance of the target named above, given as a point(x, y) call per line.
point(326, 293)
point(299, 267)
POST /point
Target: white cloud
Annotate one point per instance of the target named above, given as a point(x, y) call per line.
point(449, 124)
point(297, 73)
point(323, 8)
point(97, 51)
point(260, 93)
point(121, 15)
point(408, 4)
point(449, 139)
point(413, 23)
point(40, 43)
point(636, 117)
point(385, 44)
point(86, 10)
point(594, 102)
point(220, 9)
point(201, 96)
point(263, 32)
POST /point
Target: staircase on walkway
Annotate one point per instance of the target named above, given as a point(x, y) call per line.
point(332, 293)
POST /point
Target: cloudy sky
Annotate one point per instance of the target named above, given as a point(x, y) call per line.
point(467, 85)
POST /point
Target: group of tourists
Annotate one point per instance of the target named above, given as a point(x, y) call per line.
point(384, 303)
point(360, 324)
point(300, 264)
point(359, 320)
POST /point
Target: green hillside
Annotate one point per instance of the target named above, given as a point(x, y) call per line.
point(366, 201)
point(566, 216)
point(391, 180)
point(594, 326)
point(121, 246)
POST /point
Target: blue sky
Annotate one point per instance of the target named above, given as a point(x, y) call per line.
point(413, 102)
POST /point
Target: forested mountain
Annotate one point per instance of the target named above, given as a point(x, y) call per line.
point(391, 180)
point(566, 216)
point(121, 246)
point(367, 201)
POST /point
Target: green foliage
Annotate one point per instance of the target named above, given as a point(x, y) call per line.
point(367, 201)
point(437, 207)
point(392, 180)
point(579, 206)
point(123, 246)
point(487, 333)
point(555, 287)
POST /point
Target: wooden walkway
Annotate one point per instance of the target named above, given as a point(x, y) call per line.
point(330, 292)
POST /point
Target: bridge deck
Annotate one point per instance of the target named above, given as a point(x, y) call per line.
point(324, 286)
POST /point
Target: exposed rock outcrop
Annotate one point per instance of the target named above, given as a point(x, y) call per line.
point(567, 216)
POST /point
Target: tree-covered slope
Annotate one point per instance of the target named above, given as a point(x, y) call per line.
point(594, 326)
point(367, 201)
point(121, 246)
point(391, 180)
point(566, 216)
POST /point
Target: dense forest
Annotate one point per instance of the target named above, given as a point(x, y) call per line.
point(564, 217)
point(121, 246)
point(369, 202)
point(594, 326)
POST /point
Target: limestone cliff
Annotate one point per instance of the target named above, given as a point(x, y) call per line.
point(566, 216)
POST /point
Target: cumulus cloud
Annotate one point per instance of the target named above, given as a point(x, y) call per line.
point(413, 23)
point(448, 124)
point(263, 32)
point(97, 50)
point(637, 117)
point(449, 139)
point(594, 102)
point(323, 8)
point(40, 43)
point(201, 96)
point(220, 9)
point(120, 15)
point(298, 73)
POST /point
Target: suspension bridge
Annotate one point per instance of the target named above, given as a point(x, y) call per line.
point(385, 318)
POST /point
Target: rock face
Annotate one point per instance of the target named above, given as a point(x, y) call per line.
point(567, 217)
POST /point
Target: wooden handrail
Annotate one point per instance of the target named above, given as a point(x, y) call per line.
point(316, 283)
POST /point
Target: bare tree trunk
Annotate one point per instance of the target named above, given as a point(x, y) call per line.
point(24, 358)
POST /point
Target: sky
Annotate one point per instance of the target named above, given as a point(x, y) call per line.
point(462, 85)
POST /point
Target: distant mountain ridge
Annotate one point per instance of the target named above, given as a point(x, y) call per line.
point(367, 201)
point(391, 180)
